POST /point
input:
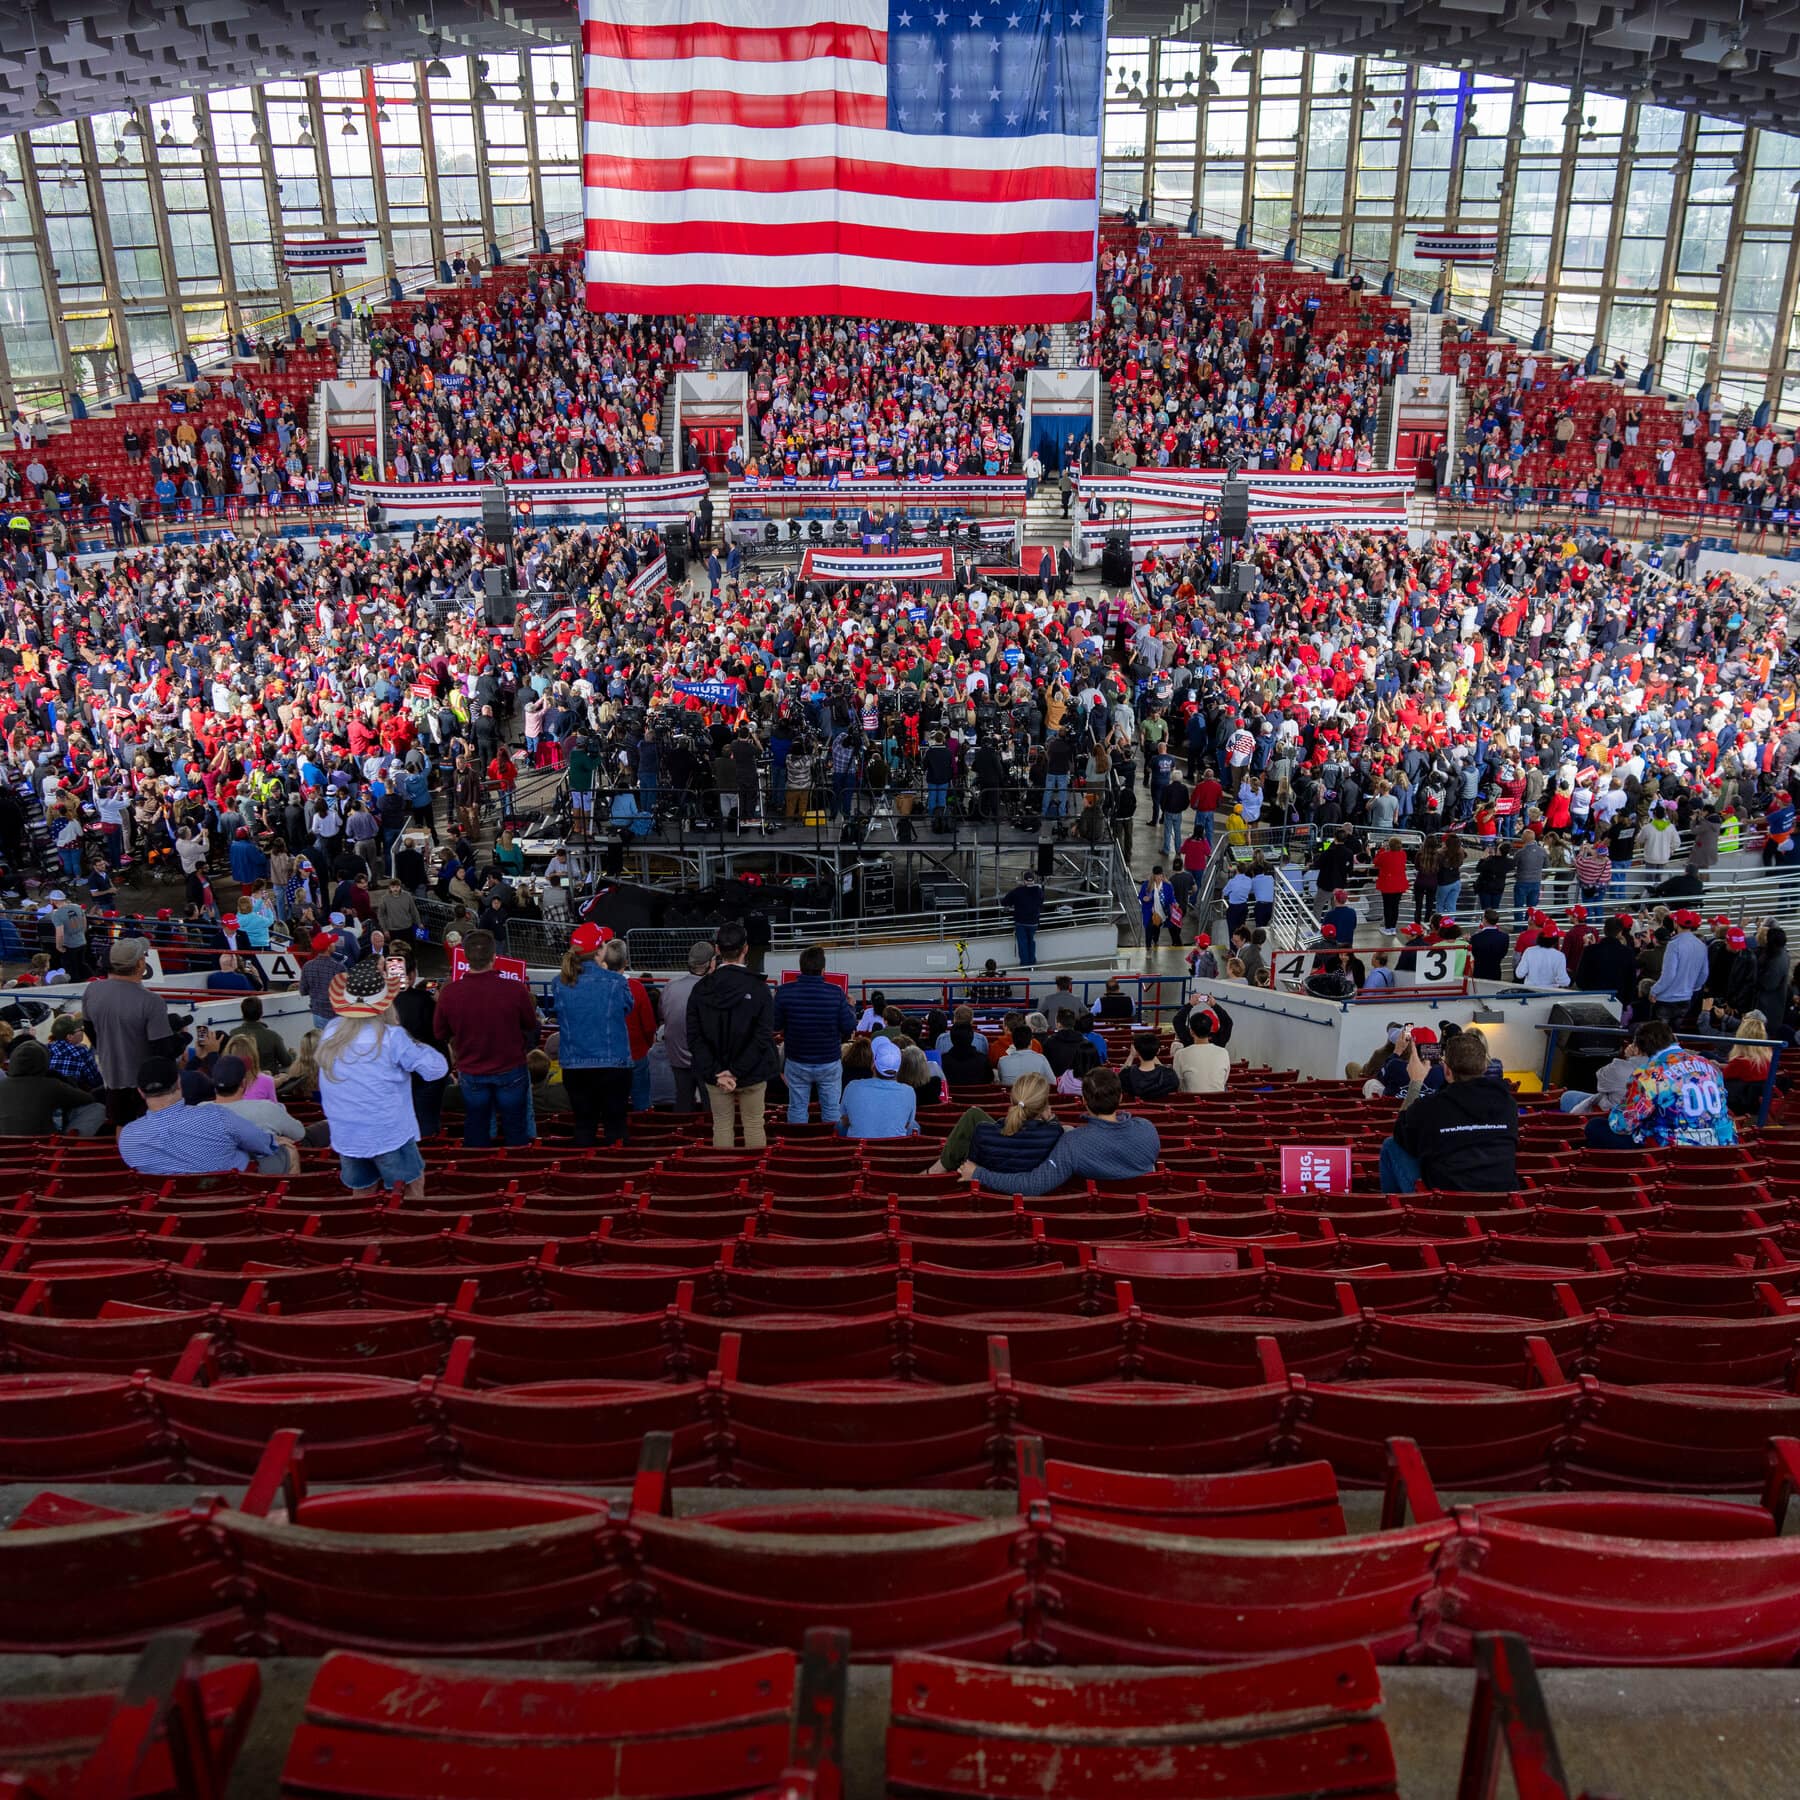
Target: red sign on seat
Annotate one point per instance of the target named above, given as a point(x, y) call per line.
point(1315, 1169)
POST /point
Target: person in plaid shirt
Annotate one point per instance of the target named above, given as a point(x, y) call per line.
point(71, 1055)
point(1678, 1097)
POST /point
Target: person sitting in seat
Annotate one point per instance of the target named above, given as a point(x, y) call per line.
point(1202, 1067)
point(1116, 1006)
point(1465, 1137)
point(1677, 1097)
point(173, 1138)
point(34, 1102)
point(880, 1105)
point(1018, 1143)
point(1109, 1147)
point(1145, 1076)
point(965, 1063)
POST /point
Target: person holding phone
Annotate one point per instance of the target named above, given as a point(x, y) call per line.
point(1462, 1139)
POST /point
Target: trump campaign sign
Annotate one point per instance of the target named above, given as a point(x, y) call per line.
point(1315, 1169)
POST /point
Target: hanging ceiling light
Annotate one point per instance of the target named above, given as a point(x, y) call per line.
point(46, 108)
point(167, 140)
point(1734, 61)
point(381, 113)
point(1590, 136)
point(1343, 81)
point(1241, 64)
point(1470, 128)
point(1283, 18)
point(305, 140)
point(375, 19)
point(348, 128)
point(555, 109)
point(259, 138)
point(1431, 119)
point(483, 91)
point(132, 129)
point(1368, 104)
point(437, 69)
point(120, 159)
point(1398, 118)
point(7, 196)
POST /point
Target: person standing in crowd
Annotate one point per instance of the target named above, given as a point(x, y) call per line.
point(595, 1002)
point(815, 1021)
point(231, 1079)
point(366, 1062)
point(416, 1008)
point(675, 999)
point(1026, 904)
point(731, 1040)
point(491, 1021)
point(130, 1025)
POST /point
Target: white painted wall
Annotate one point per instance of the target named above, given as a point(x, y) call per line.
point(1317, 1037)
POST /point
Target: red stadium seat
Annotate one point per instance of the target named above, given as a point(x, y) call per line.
point(380, 1730)
point(172, 1733)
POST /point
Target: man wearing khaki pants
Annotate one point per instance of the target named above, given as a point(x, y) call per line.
point(731, 1039)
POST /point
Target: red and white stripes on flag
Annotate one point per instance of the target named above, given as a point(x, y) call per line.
point(747, 156)
point(309, 256)
point(1456, 246)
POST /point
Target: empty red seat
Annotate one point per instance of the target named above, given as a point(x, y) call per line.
point(380, 1730)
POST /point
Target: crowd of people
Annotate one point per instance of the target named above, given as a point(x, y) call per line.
point(1203, 377)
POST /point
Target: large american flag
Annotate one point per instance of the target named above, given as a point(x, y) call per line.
point(902, 159)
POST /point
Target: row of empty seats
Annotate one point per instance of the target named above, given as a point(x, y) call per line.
point(769, 1725)
point(516, 1572)
point(567, 1399)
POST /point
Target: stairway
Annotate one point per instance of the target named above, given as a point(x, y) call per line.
point(666, 425)
point(1065, 347)
point(1044, 523)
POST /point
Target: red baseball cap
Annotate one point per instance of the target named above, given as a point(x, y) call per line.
point(590, 936)
point(1423, 1034)
point(1735, 939)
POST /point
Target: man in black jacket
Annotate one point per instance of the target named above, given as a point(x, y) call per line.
point(731, 1038)
point(1610, 966)
point(1465, 1137)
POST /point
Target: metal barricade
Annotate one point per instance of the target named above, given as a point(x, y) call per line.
point(665, 948)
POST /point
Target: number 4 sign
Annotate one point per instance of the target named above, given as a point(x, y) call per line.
point(1315, 1169)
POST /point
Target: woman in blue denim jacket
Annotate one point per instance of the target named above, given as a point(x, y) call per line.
point(594, 1003)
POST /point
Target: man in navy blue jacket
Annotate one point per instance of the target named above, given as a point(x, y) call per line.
point(815, 1021)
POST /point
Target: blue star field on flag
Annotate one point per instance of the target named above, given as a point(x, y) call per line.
point(995, 68)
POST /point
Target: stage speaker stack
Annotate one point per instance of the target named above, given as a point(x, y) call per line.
point(677, 547)
point(1234, 510)
point(1115, 559)
point(1246, 579)
point(499, 604)
point(496, 515)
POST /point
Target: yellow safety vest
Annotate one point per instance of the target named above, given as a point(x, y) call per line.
point(1729, 833)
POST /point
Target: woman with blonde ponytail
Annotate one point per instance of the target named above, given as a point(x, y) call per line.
point(1018, 1143)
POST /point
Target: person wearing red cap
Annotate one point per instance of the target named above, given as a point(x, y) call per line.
point(596, 1008)
point(1683, 971)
